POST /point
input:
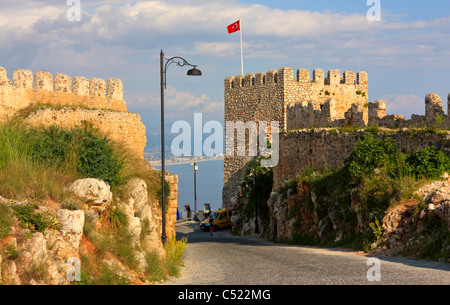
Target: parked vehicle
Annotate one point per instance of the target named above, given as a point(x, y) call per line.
point(221, 220)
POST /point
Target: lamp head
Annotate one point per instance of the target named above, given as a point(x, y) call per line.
point(194, 72)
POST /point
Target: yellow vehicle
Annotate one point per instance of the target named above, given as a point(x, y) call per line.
point(221, 220)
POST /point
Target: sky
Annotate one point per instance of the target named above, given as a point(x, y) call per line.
point(406, 53)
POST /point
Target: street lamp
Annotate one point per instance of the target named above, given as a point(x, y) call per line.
point(195, 189)
point(180, 62)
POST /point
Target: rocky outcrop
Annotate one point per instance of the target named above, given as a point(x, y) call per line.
point(410, 227)
point(144, 221)
point(94, 192)
point(30, 257)
point(406, 227)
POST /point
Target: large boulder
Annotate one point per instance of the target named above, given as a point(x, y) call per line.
point(93, 191)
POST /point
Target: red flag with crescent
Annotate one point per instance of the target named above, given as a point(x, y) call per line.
point(234, 27)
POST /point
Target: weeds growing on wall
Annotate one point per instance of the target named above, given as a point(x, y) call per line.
point(257, 186)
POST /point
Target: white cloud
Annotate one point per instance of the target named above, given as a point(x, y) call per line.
point(218, 49)
point(24, 14)
point(177, 103)
point(199, 27)
point(122, 40)
point(404, 104)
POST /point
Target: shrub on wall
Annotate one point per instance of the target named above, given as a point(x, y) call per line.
point(39, 162)
point(98, 160)
point(428, 162)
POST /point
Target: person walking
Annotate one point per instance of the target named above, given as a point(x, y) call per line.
point(211, 225)
point(188, 209)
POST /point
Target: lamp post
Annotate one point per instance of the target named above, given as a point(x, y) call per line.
point(256, 197)
point(165, 63)
point(195, 190)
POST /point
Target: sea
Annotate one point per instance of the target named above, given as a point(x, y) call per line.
point(209, 183)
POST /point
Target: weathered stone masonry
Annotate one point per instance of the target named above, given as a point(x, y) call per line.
point(303, 103)
point(277, 96)
point(322, 149)
point(95, 101)
point(60, 90)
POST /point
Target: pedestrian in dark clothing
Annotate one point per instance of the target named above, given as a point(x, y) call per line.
point(211, 225)
point(188, 209)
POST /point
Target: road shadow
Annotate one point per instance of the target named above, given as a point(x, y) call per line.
point(191, 230)
point(418, 263)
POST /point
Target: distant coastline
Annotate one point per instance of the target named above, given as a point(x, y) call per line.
point(171, 162)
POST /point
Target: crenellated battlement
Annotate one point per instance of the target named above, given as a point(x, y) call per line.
point(333, 78)
point(269, 96)
point(42, 87)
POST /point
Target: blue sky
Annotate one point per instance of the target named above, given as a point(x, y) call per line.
point(406, 54)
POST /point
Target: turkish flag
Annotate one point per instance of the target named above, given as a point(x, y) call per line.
point(234, 27)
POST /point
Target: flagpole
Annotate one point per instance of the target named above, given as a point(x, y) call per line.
point(242, 51)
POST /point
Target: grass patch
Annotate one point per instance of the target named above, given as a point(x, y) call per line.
point(40, 163)
point(158, 270)
point(30, 218)
point(95, 272)
point(174, 255)
point(112, 236)
point(6, 220)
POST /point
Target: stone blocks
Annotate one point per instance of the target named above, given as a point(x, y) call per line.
point(63, 83)
point(23, 79)
point(60, 89)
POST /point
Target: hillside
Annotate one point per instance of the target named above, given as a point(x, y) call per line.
point(74, 196)
point(78, 202)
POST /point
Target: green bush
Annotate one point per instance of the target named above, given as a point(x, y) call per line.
point(12, 252)
point(428, 162)
point(51, 144)
point(98, 159)
point(31, 219)
point(166, 193)
point(370, 153)
point(257, 186)
point(48, 159)
point(94, 155)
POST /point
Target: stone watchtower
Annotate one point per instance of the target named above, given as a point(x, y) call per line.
point(295, 103)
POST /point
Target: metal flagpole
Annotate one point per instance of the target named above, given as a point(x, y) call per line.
point(242, 51)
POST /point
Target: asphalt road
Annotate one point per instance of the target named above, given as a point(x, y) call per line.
point(224, 259)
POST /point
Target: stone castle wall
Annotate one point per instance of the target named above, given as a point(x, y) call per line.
point(276, 96)
point(29, 89)
point(434, 115)
point(94, 101)
point(317, 102)
point(302, 148)
point(267, 96)
point(122, 127)
point(307, 114)
point(321, 149)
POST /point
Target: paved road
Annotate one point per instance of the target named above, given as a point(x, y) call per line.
point(224, 259)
